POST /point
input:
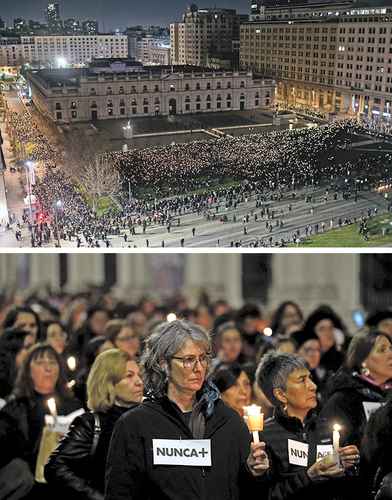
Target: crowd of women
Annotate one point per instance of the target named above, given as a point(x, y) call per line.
point(162, 393)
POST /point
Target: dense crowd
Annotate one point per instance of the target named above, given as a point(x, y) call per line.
point(26, 134)
point(277, 158)
point(196, 369)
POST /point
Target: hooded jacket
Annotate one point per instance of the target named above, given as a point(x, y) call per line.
point(132, 475)
point(350, 401)
point(285, 439)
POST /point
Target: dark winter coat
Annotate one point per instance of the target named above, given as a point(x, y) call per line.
point(131, 474)
point(21, 424)
point(288, 480)
point(74, 466)
point(377, 446)
point(347, 394)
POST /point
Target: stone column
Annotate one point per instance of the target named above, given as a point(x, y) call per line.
point(8, 270)
point(314, 279)
point(44, 270)
point(85, 270)
point(133, 276)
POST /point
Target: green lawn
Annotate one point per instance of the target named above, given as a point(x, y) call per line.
point(348, 236)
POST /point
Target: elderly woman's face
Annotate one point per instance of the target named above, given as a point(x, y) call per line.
point(130, 387)
point(44, 372)
point(239, 394)
point(188, 367)
point(300, 393)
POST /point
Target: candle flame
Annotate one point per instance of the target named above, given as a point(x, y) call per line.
point(336, 427)
point(252, 410)
point(71, 362)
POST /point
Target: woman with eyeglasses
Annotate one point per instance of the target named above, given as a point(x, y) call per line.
point(182, 441)
point(121, 334)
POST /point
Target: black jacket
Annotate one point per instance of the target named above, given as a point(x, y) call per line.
point(289, 481)
point(72, 467)
point(131, 474)
point(21, 424)
point(347, 394)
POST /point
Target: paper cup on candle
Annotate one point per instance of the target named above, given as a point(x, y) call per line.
point(255, 420)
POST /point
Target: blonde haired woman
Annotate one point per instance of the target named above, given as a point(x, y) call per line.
point(77, 466)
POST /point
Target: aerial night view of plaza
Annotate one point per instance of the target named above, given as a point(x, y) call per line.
point(237, 124)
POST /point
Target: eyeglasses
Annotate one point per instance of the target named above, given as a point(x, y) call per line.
point(189, 362)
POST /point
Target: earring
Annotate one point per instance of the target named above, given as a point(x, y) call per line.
point(365, 371)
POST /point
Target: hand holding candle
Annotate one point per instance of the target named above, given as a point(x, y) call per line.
point(255, 420)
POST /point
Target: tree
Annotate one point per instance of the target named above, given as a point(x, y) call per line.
point(99, 178)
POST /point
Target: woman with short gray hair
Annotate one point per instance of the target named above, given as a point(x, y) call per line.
point(300, 451)
point(183, 441)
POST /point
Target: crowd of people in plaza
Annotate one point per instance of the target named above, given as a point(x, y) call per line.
point(26, 134)
point(133, 375)
point(214, 180)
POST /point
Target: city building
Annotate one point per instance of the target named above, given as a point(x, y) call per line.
point(340, 63)
point(204, 34)
point(153, 50)
point(53, 17)
point(70, 49)
point(2, 24)
point(90, 27)
point(124, 88)
point(72, 27)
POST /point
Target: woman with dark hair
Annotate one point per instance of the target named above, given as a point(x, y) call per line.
point(329, 329)
point(24, 318)
point(302, 459)
point(361, 385)
point(122, 336)
point(227, 344)
point(13, 349)
point(94, 326)
point(287, 318)
point(22, 419)
point(77, 466)
point(56, 335)
point(234, 385)
point(184, 408)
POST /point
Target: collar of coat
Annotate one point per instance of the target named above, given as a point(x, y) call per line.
point(294, 424)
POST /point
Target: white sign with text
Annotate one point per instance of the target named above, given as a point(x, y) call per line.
point(298, 452)
point(193, 452)
point(323, 450)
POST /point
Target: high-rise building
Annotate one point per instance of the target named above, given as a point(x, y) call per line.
point(53, 17)
point(90, 27)
point(20, 25)
point(2, 24)
point(337, 63)
point(72, 27)
point(205, 34)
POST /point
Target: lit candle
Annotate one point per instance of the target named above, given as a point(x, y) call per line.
point(52, 409)
point(171, 317)
point(336, 437)
point(71, 362)
point(255, 420)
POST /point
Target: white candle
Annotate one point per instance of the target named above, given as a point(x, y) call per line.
point(52, 408)
point(255, 420)
point(336, 437)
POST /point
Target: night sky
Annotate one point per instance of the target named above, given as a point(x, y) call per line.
point(114, 13)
